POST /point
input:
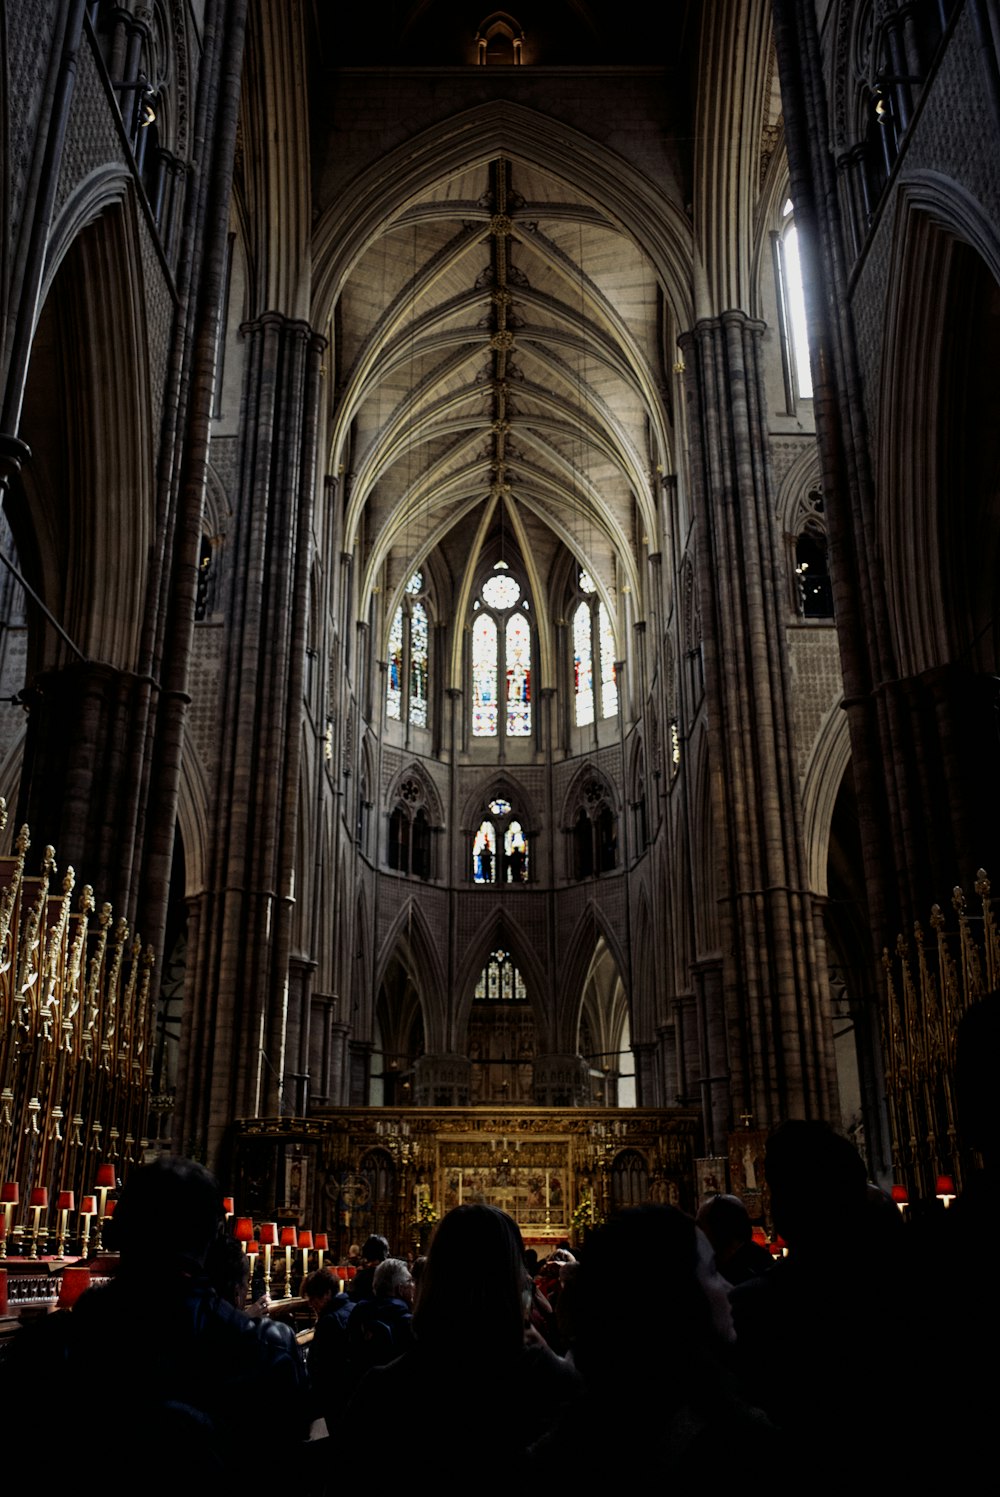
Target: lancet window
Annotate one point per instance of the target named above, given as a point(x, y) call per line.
point(595, 685)
point(408, 657)
point(501, 658)
point(500, 852)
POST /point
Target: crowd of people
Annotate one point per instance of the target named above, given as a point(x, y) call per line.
point(669, 1347)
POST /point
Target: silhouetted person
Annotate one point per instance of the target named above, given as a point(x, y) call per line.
point(829, 1343)
point(471, 1375)
point(726, 1223)
point(374, 1252)
point(651, 1329)
point(183, 1379)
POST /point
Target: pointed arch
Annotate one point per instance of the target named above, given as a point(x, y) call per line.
point(499, 928)
point(409, 938)
point(593, 927)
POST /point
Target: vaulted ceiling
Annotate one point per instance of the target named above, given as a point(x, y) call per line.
point(499, 363)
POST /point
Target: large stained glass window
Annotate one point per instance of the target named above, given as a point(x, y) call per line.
point(515, 854)
point(501, 659)
point(408, 658)
point(500, 846)
point(593, 639)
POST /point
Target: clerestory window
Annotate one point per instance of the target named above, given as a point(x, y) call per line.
point(500, 850)
point(501, 658)
point(409, 655)
point(595, 686)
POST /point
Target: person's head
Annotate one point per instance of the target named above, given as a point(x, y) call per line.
point(726, 1223)
point(393, 1280)
point(683, 1310)
point(227, 1269)
point(817, 1180)
point(376, 1249)
point(319, 1288)
point(472, 1293)
point(170, 1201)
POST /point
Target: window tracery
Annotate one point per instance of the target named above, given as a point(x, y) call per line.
point(593, 830)
point(409, 849)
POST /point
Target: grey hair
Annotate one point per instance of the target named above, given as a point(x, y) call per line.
point(390, 1277)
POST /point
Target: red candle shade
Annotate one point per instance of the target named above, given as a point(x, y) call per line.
point(10, 1194)
point(945, 1185)
point(227, 1205)
point(305, 1239)
point(322, 1243)
point(760, 1236)
point(244, 1229)
point(268, 1235)
point(253, 1248)
point(900, 1195)
point(39, 1196)
point(66, 1201)
point(75, 1280)
point(287, 1237)
point(109, 1209)
point(88, 1206)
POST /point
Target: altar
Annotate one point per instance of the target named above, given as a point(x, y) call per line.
point(349, 1172)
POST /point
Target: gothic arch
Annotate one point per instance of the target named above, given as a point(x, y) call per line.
point(428, 791)
point(592, 928)
point(495, 786)
point(830, 756)
point(194, 820)
point(410, 936)
point(944, 241)
point(499, 928)
point(83, 513)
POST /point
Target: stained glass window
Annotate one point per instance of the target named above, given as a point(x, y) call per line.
point(500, 981)
point(484, 677)
point(518, 676)
point(501, 662)
point(609, 684)
point(500, 807)
point(593, 640)
point(583, 666)
point(484, 854)
point(394, 691)
point(418, 665)
point(408, 658)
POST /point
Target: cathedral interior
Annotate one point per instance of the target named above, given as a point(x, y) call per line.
point(498, 593)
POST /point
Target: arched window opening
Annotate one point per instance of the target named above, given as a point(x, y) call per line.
point(500, 847)
point(500, 981)
point(501, 651)
point(409, 849)
point(593, 640)
point(409, 658)
point(499, 41)
point(594, 833)
point(792, 312)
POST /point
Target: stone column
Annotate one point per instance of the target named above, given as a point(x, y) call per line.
point(236, 1037)
point(771, 1001)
